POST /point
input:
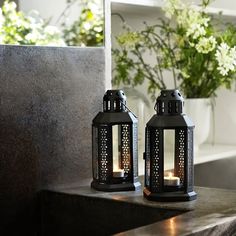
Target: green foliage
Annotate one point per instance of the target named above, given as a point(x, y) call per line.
point(18, 28)
point(88, 29)
point(200, 53)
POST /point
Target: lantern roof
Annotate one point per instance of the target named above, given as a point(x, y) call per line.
point(114, 118)
point(171, 122)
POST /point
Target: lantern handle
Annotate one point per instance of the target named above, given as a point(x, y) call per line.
point(155, 107)
point(128, 108)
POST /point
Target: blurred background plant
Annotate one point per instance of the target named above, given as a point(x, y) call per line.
point(19, 28)
point(88, 29)
point(198, 50)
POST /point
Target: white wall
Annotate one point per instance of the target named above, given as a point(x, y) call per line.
point(225, 113)
point(225, 4)
point(50, 9)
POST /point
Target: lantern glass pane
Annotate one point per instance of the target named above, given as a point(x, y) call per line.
point(121, 151)
point(171, 182)
point(116, 147)
point(169, 151)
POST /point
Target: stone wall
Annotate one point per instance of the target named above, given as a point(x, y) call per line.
point(48, 97)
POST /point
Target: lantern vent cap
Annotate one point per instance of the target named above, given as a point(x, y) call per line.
point(169, 102)
point(114, 101)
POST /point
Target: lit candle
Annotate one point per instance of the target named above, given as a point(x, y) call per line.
point(171, 180)
point(118, 173)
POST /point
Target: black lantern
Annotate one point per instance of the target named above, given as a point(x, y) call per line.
point(169, 173)
point(115, 145)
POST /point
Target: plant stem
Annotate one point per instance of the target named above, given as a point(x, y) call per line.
point(150, 77)
point(172, 62)
point(63, 14)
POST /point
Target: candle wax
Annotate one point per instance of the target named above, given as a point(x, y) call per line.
point(118, 173)
point(171, 181)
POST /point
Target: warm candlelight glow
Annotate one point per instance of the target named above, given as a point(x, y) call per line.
point(172, 227)
point(117, 172)
point(115, 167)
point(171, 180)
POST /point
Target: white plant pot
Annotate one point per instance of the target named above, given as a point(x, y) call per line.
point(199, 111)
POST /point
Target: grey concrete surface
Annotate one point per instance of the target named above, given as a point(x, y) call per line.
point(48, 98)
point(64, 214)
point(213, 213)
point(216, 174)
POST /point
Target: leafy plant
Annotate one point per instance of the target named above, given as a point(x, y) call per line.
point(199, 52)
point(88, 29)
point(18, 28)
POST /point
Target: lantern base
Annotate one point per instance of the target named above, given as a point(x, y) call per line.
point(176, 196)
point(116, 187)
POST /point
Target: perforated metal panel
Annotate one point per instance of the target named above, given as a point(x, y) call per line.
point(180, 153)
point(156, 159)
point(135, 150)
point(125, 147)
point(147, 158)
point(190, 161)
point(104, 146)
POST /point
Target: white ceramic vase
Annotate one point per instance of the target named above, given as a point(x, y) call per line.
point(199, 110)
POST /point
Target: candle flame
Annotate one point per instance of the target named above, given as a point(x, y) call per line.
point(170, 175)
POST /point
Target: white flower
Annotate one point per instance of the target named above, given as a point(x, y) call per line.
point(13, 17)
point(196, 30)
point(189, 16)
point(33, 36)
point(182, 18)
point(226, 58)
point(98, 28)
point(170, 6)
point(193, 16)
point(206, 45)
point(193, 21)
point(204, 21)
point(10, 6)
point(51, 30)
point(87, 25)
